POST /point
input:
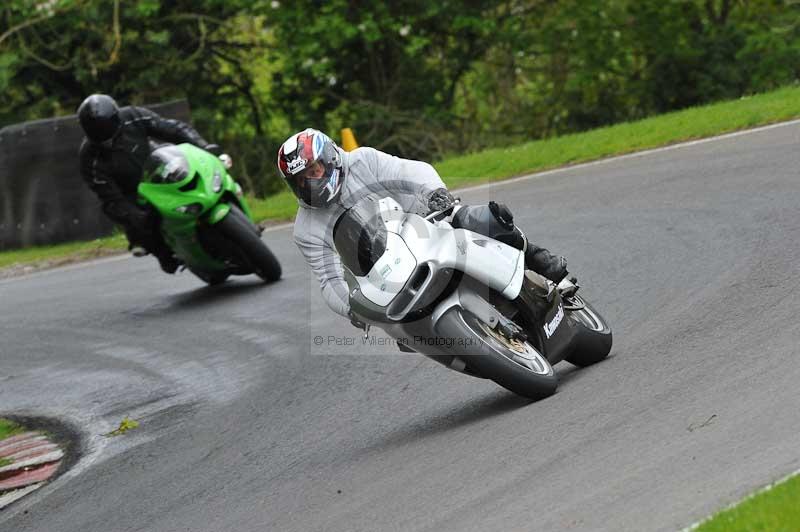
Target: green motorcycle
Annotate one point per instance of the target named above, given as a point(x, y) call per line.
point(204, 217)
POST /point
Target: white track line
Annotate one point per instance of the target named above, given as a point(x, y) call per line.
point(498, 183)
point(13, 495)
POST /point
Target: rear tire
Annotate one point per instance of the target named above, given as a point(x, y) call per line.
point(493, 357)
point(593, 340)
point(243, 236)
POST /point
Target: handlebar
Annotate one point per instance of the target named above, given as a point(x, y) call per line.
point(446, 212)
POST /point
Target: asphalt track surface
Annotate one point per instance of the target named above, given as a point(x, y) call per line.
point(691, 253)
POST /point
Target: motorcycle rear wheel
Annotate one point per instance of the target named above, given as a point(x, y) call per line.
point(514, 365)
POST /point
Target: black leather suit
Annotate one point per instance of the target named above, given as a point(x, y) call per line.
point(113, 170)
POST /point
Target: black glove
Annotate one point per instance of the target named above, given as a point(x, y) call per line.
point(439, 200)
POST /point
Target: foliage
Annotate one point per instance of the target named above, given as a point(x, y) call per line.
point(588, 63)
point(124, 426)
point(420, 79)
point(57, 52)
point(388, 70)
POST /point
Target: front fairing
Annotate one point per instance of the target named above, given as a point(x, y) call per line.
point(198, 187)
point(403, 262)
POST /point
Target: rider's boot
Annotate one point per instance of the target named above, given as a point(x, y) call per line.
point(554, 267)
point(168, 262)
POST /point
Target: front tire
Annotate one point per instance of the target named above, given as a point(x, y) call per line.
point(514, 365)
point(212, 279)
point(242, 234)
point(592, 343)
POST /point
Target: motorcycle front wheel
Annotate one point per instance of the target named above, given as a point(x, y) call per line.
point(592, 343)
point(212, 279)
point(243, 236)
point(515, 365)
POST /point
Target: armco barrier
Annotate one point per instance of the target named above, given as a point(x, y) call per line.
point(43, 199)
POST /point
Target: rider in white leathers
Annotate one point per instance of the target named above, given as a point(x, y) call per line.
point(327, 181)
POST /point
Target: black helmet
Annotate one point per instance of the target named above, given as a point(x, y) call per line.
point(99, 117)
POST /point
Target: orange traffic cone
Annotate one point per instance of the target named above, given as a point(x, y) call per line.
point(348, 140)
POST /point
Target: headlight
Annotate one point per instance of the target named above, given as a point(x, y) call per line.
point(192, 208)
point(216, 183)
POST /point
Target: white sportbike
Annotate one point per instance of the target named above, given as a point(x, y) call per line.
point(464, 299)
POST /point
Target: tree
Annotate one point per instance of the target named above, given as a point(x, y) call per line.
point(416, 78)
point(55, 53)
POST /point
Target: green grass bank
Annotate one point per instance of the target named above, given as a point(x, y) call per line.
point(775, 509)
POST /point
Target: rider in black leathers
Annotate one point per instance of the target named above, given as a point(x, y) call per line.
point(117, 143)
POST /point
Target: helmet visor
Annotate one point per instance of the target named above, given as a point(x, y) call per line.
point(317, 184)
point(101, 129)
point(315, 170)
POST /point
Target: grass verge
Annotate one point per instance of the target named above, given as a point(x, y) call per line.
point(63, 253)
point(670, 128)
point(8, 428)
point(775, 509)
point(502, 163)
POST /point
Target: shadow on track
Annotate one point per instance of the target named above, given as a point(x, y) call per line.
point(567, 372)
point(200, 297)
point(226, 291)
point(451, 418)
point(456, 416)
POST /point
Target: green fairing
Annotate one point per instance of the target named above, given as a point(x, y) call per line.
point(180, 229)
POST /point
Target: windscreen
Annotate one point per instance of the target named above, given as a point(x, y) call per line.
point(360, 237)
point(166, 165)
